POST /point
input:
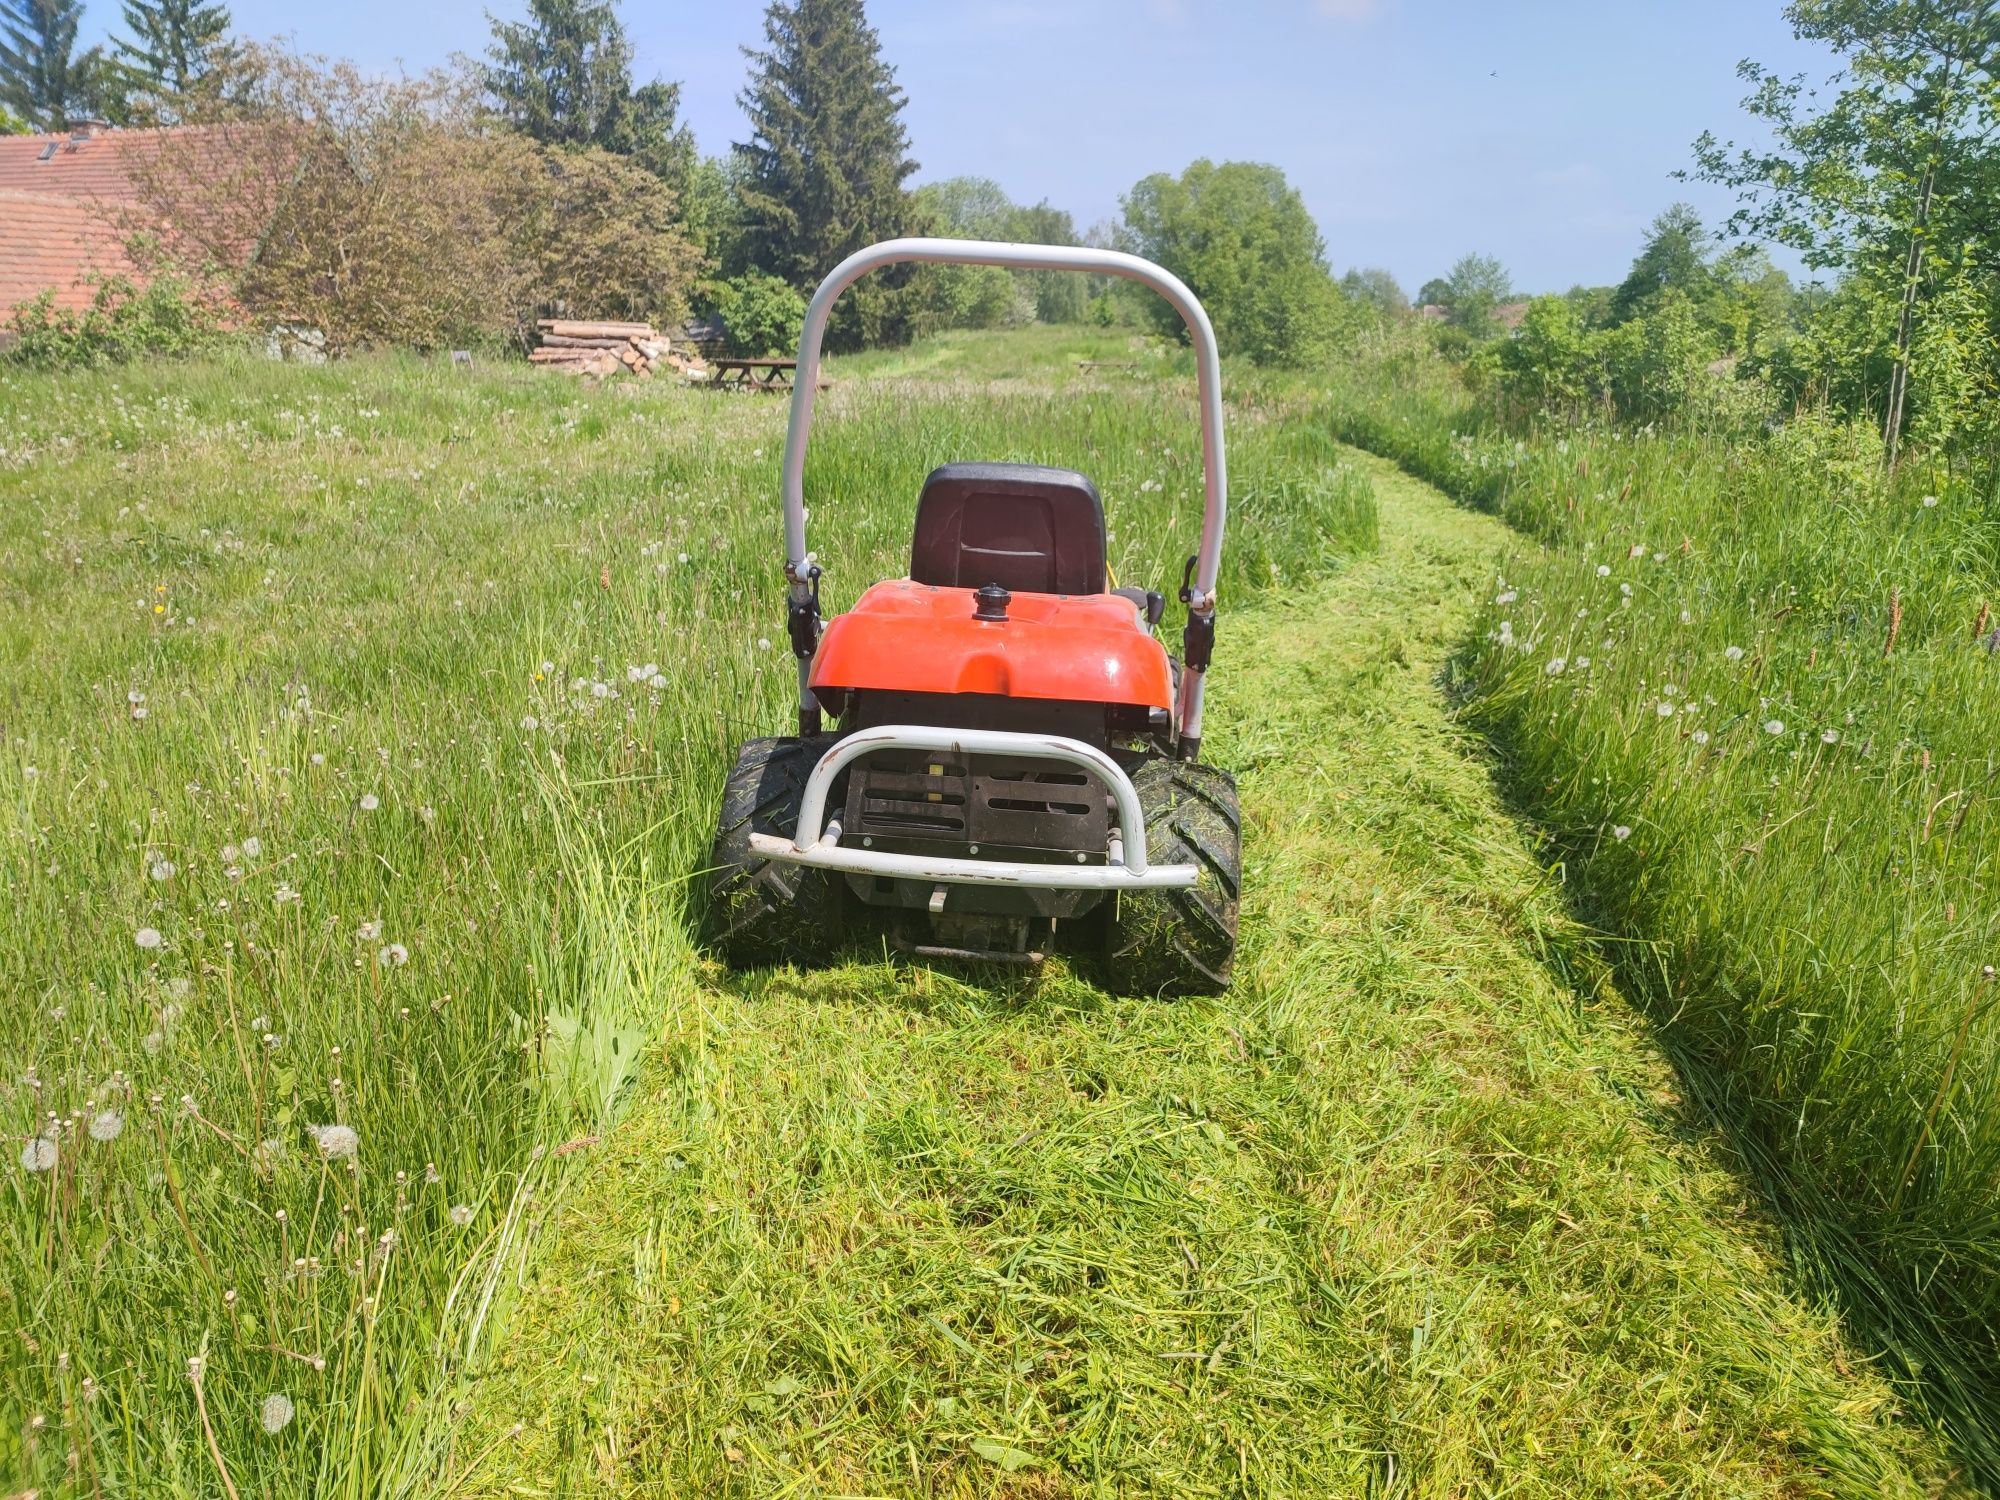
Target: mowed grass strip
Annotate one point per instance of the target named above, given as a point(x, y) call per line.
point(1400, 1215)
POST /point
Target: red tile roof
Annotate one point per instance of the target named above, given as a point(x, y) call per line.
point(50, 241)
point(67, 204)
point(98, 166)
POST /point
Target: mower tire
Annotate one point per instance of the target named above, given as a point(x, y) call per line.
point(764, 911)
point(1181, 941)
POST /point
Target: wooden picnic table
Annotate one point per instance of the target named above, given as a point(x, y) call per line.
point(728, 372)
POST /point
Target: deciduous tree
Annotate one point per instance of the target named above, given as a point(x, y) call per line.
point(1896, 164)
point(1239, 235)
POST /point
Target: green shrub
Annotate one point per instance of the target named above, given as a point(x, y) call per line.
point(764, 314)
point(166, 317)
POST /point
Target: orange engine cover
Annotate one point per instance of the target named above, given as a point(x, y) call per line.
point(912, 638)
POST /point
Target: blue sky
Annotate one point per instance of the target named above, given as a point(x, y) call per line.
point(1540, 131)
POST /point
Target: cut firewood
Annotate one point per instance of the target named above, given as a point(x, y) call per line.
point(565, 328)
point(570, 341)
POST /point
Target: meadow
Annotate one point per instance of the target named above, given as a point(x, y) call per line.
point(377, 1125)
point(334, 700)
point(1748, 690)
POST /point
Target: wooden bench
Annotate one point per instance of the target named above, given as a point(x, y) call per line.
point(731, 373)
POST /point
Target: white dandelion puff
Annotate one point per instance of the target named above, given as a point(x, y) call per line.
point(1664, 709)
point(369, 802)
point(1508, 597)
point(395, 955)
point(1622, 832)
point(276, 1413)
point(370, 930)
point(105, 1125)
point(149, 937)
point(1734, 653)
point(1829, 736)
point(252, 847)
point(162, 870)
point(763, 643)
point(39, 1155)
point(530, 723)
point(1556, 667)
point(1774, 726)
point(335, 1142)
point(1604, 570)
point(659, 682)
point(461, 1214)
point(1930, 502)
point(1700, 736)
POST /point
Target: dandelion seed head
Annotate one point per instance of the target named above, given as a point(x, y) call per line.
point(149, 938)
point(39, 1155)
point(370, 930)
point(369, 802)
point(253, 846)
point(105, 1125)
point(335, 1142)
point(1774, 726)
point(1700, 736)
point(1734, 653)
point(1622, 832)
point(1604, 570)
point(162, 870)
point(1930, 502)
point(461, 1214)
point(1556, 667)
point(1664, 709)
point(395, 955)
point(276, 1413)
point(1829, 736)
point(530, 723)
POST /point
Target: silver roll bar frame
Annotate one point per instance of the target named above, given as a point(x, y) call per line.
point(800, 569)
point(816, 840)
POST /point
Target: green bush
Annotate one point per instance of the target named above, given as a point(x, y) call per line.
point(764, 314)
point(166, 317)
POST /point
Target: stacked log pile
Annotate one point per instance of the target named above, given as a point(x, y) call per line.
point(588, 348)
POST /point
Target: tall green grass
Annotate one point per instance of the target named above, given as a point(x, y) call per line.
point(1752, 693)
point(351, 722)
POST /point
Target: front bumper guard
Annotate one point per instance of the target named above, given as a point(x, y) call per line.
point(817, 839)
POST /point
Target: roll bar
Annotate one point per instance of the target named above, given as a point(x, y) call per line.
point(1198, 587)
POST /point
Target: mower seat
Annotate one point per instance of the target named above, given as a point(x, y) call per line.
point(1030, 529)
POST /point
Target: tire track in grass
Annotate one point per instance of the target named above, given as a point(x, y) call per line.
point(1400, 1215)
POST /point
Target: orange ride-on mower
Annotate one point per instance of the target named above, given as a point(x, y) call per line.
point(1015, 765)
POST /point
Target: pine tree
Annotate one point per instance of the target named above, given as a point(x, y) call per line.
point(177, 47)
point(43, 78)
point(822, 174)
point(564, 78)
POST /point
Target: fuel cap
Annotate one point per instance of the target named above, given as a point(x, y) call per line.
point(991, 602)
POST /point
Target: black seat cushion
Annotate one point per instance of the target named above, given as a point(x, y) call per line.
point(1030, 529)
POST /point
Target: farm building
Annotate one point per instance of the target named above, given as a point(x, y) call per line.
point(67, 205)
point(71, 204)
